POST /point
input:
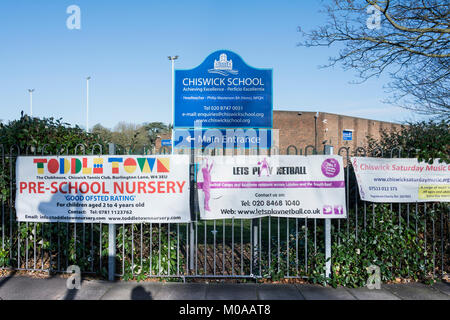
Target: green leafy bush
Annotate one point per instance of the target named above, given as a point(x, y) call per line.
point(388, 241)
point(394, 247)
point(4, 257)
point(30, 135)
point(158, 256)
point(57, 135)
point(426, 140)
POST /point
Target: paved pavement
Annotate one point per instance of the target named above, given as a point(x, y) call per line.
point(54, 288)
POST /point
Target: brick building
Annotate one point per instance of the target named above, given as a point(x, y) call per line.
point(298, 128)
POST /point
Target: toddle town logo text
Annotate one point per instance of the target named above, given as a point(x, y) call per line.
point(103, 175)
point(104, 165)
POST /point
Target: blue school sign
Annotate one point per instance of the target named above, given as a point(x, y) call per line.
point(223, 92)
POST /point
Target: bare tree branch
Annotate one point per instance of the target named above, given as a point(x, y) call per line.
point(411, 43)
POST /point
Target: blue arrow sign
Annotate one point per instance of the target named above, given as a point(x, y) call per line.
point(223, 138)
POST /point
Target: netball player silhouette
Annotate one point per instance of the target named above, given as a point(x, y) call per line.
point(264, 166)
point(206, 171)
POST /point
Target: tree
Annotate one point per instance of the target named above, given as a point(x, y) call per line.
point(410, 40)
point(426, 140)
point(130, 136)
point(154, 129)
point(104, 133)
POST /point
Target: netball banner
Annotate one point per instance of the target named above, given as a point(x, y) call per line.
point(281, 186)
point(107, 189)
point(402, 180)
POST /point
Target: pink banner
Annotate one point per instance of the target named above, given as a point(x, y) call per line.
point(273, 184)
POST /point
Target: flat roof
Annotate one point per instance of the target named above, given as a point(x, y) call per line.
point(335, 114)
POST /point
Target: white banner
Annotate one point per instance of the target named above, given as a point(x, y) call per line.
point(280, 186)
point(108, 189)
point(401, 180)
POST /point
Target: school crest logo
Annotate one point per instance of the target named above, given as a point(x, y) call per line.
point(223, 66)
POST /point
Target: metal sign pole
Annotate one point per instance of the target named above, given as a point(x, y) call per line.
point(328, 150)
point(255, 244)
point(255, 239)
point(192, 182)
point(111, 237)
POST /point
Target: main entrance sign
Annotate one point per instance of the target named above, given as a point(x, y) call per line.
point(223, 92)
point(223, 138)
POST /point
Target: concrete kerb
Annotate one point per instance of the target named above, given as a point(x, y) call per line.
point(28, 288)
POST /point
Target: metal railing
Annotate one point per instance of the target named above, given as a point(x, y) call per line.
point(228, 248)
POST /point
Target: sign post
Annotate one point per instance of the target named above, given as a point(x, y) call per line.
point(192, 207)
point(255, 243)
point(111, 237)
point(328, 150)
point(221, 93)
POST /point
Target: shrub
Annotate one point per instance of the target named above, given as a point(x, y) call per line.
point(58, 136)
point(426, 140)
point(394, 247)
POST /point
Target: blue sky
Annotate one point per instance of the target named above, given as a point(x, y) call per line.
point(123, 46)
